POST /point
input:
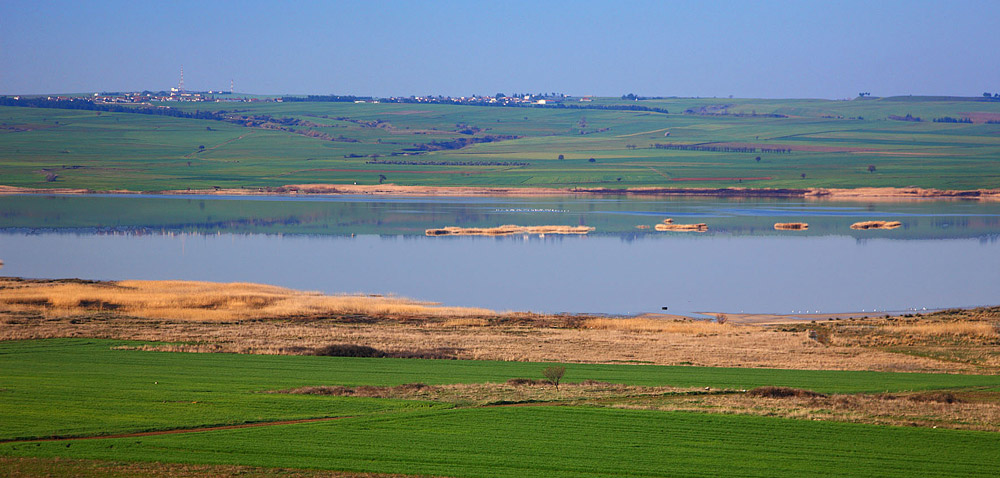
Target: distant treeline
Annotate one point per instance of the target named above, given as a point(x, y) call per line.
point(450, 163)
point(949, 119)
point(908, 117)
point(460, 143)
point(720, 149)
point(723, 110)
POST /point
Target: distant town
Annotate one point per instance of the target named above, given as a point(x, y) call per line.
point(176, 95)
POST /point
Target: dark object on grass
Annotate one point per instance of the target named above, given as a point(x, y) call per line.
point(783, 392)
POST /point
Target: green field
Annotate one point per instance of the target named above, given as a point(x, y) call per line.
point(832, 143)
point(79, 387)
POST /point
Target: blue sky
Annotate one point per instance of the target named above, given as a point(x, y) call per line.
point(770, 49)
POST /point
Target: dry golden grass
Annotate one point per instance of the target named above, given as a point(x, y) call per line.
point(700, 227)
point(970, 329)
point(507, 230)
point(481, 394)
point(465, 322)
point(959, 410)
point(545, 340)
point(791, 226)
point(639, 324)
point(248, 318)
point(188, 300)
point(972, 410)
point(876, 225)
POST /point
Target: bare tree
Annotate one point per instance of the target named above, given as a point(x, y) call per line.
point(554, 374)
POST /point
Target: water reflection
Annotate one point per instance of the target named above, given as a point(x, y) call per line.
point(550, 274)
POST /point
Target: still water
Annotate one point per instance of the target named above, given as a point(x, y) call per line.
point(946, 255)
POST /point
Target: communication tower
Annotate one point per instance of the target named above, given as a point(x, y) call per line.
point(180, 84)
point(231, 83)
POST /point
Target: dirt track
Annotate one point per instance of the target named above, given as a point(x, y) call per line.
point(179, 430)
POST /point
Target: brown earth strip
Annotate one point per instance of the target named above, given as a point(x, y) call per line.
point(178, 430)
point(31, 467)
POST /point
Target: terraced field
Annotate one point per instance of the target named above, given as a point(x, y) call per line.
point(89, 388)
point(800, 143)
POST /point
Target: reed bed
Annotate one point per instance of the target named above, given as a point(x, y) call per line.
point(507, 230)
point(791, 226)
point(189, 300)
point(668, 225)
point(863, 225)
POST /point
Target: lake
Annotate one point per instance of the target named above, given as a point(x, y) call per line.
point(947, 253)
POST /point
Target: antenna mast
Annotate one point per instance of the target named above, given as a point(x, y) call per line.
point(231, 83)
point(180, 85)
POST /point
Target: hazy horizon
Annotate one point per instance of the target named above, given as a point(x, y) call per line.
point(770, 49)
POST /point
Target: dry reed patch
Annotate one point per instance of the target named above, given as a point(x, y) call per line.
point(731, 346)
point(189, 300)
point(507, 230)
point(791, 226)
point(638, 324)
point(517, 390)
point(981, 411)
point(863, 225)
point(968, 329)
point(670, 226)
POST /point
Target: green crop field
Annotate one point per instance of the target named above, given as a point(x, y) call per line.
point(831, 143)
point(81, 387)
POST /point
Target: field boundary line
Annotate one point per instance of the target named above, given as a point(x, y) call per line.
point(244, 135)
point(640, 133)
point(180, 430)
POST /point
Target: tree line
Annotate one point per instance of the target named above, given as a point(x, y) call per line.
point(720, 149)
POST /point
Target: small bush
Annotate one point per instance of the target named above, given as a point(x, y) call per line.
point(525, 381)
point(348, 350)
point(783, 392)
point(935, 397)
point(353, 350)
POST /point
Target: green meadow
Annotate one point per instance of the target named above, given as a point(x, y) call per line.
point(832, 144)
point(83, 387)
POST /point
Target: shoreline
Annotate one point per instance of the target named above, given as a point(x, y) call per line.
point(856, 194)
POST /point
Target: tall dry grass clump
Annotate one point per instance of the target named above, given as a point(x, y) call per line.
point(791, 226)
point(655, 325)
point(507, 230)
point(966, 329)
point(190, 300)
point(864, 225)
point(670, 226)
